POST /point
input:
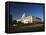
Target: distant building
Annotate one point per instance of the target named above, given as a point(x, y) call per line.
point(29, 19)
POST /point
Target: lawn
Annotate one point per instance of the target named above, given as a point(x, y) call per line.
point(20, 27)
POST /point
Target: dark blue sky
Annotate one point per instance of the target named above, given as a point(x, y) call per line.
point(16, 10)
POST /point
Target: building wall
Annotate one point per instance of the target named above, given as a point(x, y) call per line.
point(36, 19)
point(27, 19)
point(30, 19)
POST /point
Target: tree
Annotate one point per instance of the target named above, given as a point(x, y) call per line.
point(14, 22)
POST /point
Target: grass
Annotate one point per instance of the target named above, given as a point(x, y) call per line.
point(27, 27)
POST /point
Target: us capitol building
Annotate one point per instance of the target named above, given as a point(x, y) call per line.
point(29, 19)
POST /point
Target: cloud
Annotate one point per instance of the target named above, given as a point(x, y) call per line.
point(23, 15)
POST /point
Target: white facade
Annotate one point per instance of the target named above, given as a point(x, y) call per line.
point(27, 19)
point(30, 19)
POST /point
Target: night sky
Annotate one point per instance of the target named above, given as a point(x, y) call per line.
point(16, 10)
